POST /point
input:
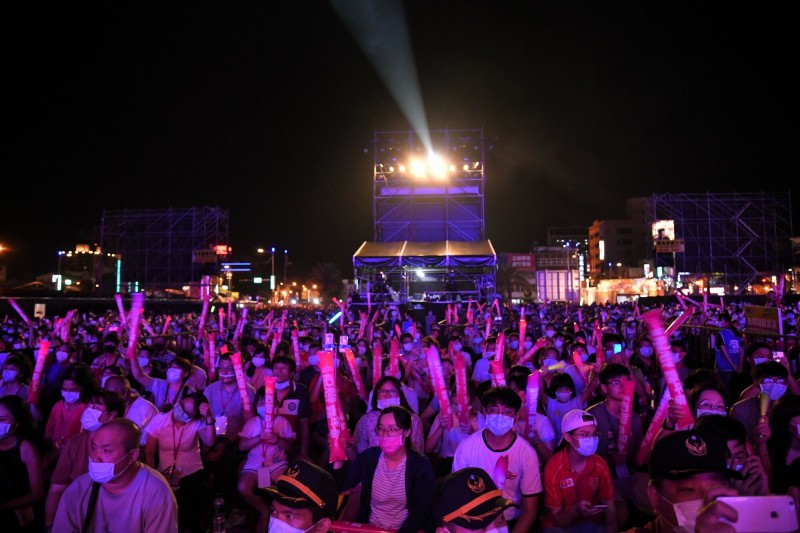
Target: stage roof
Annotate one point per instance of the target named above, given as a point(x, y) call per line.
point(425, 254)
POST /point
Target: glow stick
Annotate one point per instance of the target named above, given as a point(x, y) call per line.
point(679, 321)
point(531, 402)
point(488, 328)
point(120, 307)
point(500, 347)
point(763, 404)
point(470, 316)
point(147, 328)
point(680, 300)
point(576, 358)
point(500, 471)
point(529, 354)
point(336, 443)
point(655, 325)
point(462, 395)
point(437, 379)
point(599, 354)
point(705, 300)
point(269, 402)
point(203, 315)
point(274, 345)
point(240, 325)
point(221, 316)
point(296, 347)
point(38, 369)
point(166, 325)
point(523, 327)
point(625, 417)
point(66, 325)
point(209, 353)
point(20, 312)
point(655, 425)
point(241, 384)
point(580, 316)
point(137, 308)
point(362, 325)
point(351, 362)
point(498, 376)
point(377, 359)
point(345, 431)
point(230, 313)
point(369, 299)
point(394, 355)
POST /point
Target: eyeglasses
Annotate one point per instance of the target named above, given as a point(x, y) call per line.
point(709, 405)
point(498, 411)
point(779, 381)
point(615, 383)
point(388, 393)
point(585, 435)
point(388, 432)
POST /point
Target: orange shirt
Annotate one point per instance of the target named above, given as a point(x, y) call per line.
point(564, 487)
point(62, 423)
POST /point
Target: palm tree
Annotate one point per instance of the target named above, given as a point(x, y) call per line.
point(329, 279)
point(510, 278)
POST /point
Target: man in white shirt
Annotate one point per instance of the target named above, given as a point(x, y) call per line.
point(137, 409)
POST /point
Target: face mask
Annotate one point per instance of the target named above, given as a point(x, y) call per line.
point(70, 397)
point(499, 424)
point(457, 347)
point(9, 375)
point(17, 346)
point(104, 472)
point(558, 343)
point(261, 410)
point(760, 360)
point(705, 412)
point(547, 363)
point(279, 526)
point(173, 375)
point(514, 345)
point(528, 345)
point(677, 356)
point(5, 429)
point(591, 349)
point(143, 361)
point(408, 346)
point(488, 354)
point(227, 375)
point(549, 333)
point(390, 445)
point(362, 350)
point(685, 513)
point(179, 414)
point(383, 403)
point(313, 360)
point(477, 340)
point(258, 362)
point(609, 354)
point(62, 356)
point(281, 386)
point(773, 390)
point(646, 351)
point(563, 397)
point(587, 446)
point(90, 419)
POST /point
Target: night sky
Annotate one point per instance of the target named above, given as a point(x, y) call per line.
point(269, 112)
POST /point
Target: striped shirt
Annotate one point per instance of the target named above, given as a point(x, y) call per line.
point(389, 506)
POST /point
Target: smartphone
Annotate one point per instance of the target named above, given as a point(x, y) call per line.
point(775, 514)
point(776, 356)
point(600, 506)
point(617, 347)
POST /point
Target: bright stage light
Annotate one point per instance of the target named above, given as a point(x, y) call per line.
point(466, 167)
point(402, 168)
point(437, 166)
point(417, 167)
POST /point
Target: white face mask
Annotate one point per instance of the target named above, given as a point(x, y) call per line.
point(5, 429)
point(362, 350)
point(685, 513)
point(279, 526)
point(70, 397)
point(173, 375)
point(143, 361)
point(258, 362)
point(90, 419)
point(499, 424)
point(528, 345)
point(588, 446)
point(383, 403)
point(9, 375)
point(104, 472)
point(61, 356)
point(408, 346)
point(705, 412)
point(774, 390)
point(281, 385)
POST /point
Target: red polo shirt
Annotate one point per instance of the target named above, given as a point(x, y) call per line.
point(564, 487)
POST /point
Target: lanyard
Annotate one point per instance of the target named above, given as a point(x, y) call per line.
point(221, 401)
point(176, 443)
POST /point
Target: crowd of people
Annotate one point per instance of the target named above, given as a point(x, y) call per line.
point(166, 424)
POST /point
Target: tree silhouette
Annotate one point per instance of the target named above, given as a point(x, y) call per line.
point(510, 278)
point(328, 278)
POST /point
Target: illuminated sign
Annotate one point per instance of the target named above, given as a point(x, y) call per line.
point(204, 256)
point(222, 249)
point(236, 267)
point(669, 246)
point(663, 230)
point(524, 262)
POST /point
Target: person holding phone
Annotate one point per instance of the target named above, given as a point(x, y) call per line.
point(579, 492)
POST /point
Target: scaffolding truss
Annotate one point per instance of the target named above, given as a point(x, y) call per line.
point(736, 236)
point(449, 206)
point(158, 246)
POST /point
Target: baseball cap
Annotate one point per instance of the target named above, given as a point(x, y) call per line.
point(468, 498)
point(304, 486)
point(575, 419)
point(686, 453)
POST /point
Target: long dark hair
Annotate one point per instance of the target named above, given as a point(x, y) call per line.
point(398, 385)
point(22, 416)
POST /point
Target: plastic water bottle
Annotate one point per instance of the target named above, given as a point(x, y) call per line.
point(218, 519)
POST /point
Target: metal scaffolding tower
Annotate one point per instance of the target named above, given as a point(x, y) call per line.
point(158, 246)
point(737, 236)
point(444, 204)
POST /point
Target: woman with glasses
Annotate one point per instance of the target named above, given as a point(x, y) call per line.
point(388, 392)
point(579, 491)
point(391, 484)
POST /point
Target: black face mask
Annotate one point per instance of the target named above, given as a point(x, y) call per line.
point(109, 348)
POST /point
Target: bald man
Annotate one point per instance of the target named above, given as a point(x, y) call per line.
point(129, 495)
point(137, 409)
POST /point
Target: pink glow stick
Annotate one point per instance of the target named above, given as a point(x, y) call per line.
point(539, 344)
point(137, 308)
point(500, 471)
point(523, 328)
point(20, 312)
point(221, 316)
point(38, 369)
point(462, 396)
point(167, 322)
point(625, 417)
point(362, 326)
point(201, 326)
point(600, 354)
point(351, 363)
point(679, 321)
point(66, 324)
point(498, 376)
point(241, 384)
point(269, 402)
point(437, 378)
point(680, 300)
point(655, 425)
point(240, 325)
point(295, 347)
point(211, 362)
point(377, 359)
point(336, 443)
point(531, 402)
point(120, 308)
point(394, 355)
point(580, 316)
point(500, 347)
point(655, 326)
point(470, 316)
point(231, 318)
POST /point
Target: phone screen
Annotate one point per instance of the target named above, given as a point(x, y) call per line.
point(777, 355)
point(617, 347)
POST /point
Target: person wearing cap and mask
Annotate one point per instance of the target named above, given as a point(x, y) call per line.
point(688, 471)
point(74, 458)
point(468, 501)
point(576, 480)
point(499, 445)
point(120, 489)
point(771, 377)
point(303, 500)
